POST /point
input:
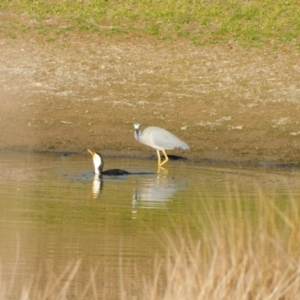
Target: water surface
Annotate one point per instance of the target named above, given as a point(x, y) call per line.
point(55, 213)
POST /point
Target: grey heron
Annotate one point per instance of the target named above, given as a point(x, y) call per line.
point(159, 139)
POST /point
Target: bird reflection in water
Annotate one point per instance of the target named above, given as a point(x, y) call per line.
point(150, 192)
point(154, 193)
point(97, 186)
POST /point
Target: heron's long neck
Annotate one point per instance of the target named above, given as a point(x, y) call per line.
point(137, 134)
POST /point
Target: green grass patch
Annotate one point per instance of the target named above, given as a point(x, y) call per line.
point(12, 35)
point(202, 22)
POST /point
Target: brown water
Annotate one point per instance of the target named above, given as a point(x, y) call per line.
point(55, 215)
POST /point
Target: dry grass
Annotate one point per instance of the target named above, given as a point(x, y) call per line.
point(240, 255)
point(244, 252)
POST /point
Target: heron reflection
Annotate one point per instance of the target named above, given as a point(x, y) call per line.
point(154, 193)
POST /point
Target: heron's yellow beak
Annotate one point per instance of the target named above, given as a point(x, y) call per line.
point(91, 152)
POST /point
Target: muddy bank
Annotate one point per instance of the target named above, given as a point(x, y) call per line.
point(84, 90)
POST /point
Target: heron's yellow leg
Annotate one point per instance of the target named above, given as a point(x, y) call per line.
point(158, 156)
point(166, 157)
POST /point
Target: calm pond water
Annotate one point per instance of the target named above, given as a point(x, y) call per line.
point(54, 214)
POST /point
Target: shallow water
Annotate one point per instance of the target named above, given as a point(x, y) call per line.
point(55, 213)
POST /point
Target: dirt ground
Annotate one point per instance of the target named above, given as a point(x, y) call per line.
point(71, 91)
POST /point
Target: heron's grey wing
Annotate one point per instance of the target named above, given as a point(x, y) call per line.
point(166, 140)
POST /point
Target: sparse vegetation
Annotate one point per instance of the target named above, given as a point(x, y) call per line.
point(245, 250)
point(202, 22)
point(241, 254)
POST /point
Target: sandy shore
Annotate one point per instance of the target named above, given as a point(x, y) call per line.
point(82, 90)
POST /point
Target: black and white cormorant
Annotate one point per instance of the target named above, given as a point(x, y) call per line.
point(99, 164)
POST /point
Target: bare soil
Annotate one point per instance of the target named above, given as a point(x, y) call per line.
point(79, 90)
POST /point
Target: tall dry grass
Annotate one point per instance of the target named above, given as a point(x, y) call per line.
point(245, 249)
point(241, 254)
